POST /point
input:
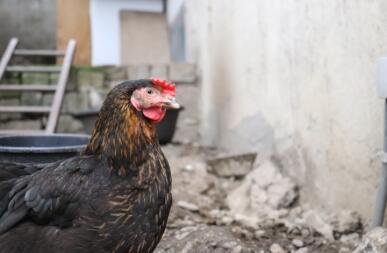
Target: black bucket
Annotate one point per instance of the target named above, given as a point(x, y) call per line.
point(166, 128)
point(41, 148)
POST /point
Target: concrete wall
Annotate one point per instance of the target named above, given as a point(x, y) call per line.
point(295, 79)
point(32, 21)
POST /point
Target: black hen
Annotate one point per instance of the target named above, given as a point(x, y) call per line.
point(114, 197)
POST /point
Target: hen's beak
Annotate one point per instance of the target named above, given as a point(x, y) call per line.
point(171, 103)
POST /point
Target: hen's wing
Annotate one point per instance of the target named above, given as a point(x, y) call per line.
point(50, 195)
point(14, 170)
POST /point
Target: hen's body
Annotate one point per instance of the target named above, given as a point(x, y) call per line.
point(114, 197)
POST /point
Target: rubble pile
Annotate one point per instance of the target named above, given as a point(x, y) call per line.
point(256, 209)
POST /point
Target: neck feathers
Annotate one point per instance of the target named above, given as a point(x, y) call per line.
point(124, 137)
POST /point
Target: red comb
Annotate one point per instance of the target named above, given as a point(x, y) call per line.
point(167, 87)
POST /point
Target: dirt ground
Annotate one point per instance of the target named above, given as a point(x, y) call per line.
point(205, 216)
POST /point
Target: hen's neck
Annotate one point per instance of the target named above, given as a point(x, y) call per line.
point(124, 138)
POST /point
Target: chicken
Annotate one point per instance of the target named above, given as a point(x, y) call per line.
point(114, 197)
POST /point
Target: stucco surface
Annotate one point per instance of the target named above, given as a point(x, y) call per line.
point(295, 79)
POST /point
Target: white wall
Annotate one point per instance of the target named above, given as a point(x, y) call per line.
point(295, 79)
point(174, 8)
point(105, 26)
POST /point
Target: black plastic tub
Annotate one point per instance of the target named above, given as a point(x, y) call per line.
point(41, 148)
point(165, 129)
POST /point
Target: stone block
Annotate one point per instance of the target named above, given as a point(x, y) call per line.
point(34, 98)
point(53, 78)
point(115, 73)
point(159, 71)
point(9, 116)
point(10, 78)
point(68, 124)
point(182, 73)
point(47, 99)
point(72, 82)
point(22, 125)
point(35, 78)
point(75, 102)
point(91, 78)
point(138, 72)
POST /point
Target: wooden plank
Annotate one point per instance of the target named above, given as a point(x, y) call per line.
point(25, 87)
point(38, 52)
point(73, 22)
point(16, 68)
point(62, 81)
point(7, 55)
point(26, 109)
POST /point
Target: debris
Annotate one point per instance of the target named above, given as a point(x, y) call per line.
point(346, 222)
point(298, 243)
point(302, 250)
point(275, 248)
point(314, 220)
point(188, 206)
point(232, 166)
point(262, 194)
point(374, 241)
point(353, 239)
point(203, 239)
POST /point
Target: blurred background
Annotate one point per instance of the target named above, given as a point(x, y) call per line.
point(291, 80)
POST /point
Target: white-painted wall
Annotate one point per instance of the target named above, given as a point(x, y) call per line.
point(174, 8)
point(295, 79)
point(105, 26)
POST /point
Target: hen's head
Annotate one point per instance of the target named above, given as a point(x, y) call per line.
point(128, 113)
point(152, 100)
point(150, 97)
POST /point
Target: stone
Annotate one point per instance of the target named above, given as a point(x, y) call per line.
point(302, 250)
point(276, 248)
point(203, 239)
point(67, 124)
point(75, 102)
point(91, 78)
point(259, 233)
point(232, 166)
point(48, 99)
point(353, 238)
point(22, 125)
point(9, 116)
point(375, 241)
point(188, 206)
point(159, 71)
point(138, 72)
point(263, 193)
point(35, 78)
point(346, 222)
point(53, 79)
point(298, 243)
point(33, 98)
point(344, 250)
point(182, 72)
point(114, 73)
point(316, 221)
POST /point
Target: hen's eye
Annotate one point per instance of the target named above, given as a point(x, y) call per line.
point(149, 91)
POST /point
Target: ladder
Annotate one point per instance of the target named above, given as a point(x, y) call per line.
point(53, 111)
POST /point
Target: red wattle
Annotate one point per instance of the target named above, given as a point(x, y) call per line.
point(156, 114)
